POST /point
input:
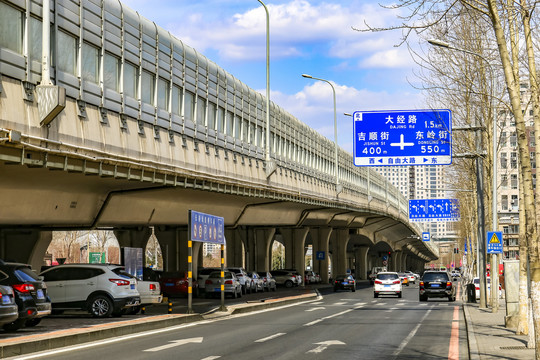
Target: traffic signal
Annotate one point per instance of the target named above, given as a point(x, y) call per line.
point(389, 254)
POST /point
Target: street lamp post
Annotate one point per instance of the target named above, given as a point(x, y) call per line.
point(269, 163)
point(494, 272)
point(339, 188)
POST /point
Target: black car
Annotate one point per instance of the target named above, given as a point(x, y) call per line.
point(345, 282)
point(30, 294)
point(437, 284)
point(9, 312)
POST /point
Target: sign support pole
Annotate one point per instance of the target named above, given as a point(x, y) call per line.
point(222, 307)
point(190, 277)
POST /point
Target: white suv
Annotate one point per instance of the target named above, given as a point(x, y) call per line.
point(100, 289)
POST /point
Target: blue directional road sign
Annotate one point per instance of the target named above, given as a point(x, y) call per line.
point(494, 242)
point(402, 137)
point(320, 255)
point(425, 236)
point(206, 228)
point(434, 210)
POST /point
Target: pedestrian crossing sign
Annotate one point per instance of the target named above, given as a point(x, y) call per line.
point(494, 242)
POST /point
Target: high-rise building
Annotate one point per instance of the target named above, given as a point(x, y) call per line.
point(508, 173)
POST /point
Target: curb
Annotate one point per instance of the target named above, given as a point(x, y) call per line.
point(471, 337)
point(42, 342)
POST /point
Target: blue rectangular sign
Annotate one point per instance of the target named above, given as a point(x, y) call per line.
point(434, 210)
point(320, 255)
point(402, 137)
point(207, 228)
point(494, 242)
point(425, 236)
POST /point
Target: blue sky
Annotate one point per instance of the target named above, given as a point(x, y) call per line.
point(306, 36)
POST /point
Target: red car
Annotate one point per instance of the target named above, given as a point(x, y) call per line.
point(176, 284)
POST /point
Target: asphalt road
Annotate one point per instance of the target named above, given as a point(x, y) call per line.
point(342, 325)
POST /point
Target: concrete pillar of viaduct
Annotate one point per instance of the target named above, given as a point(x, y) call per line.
point(294, 241)
point(262, 249)
point(321, 239)
point(339, 251)
point(234, 248)
point(361, 262)
point(174, 247)
point(25, 245)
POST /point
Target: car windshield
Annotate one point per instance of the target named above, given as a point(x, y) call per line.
point(217, 274)
point(435, 277)
point(206, 271)
point(387, 276)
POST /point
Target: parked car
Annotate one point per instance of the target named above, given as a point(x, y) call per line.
point(31, 294)
point(243, 278)
point(257, 283)
point(344, 282)
point(387, 283)
point(101, 289)
point(268, 281)
point(149, 290)
point(284, 277)
point(176, 283)
point(232, 284)
point(202, 275)
point(310, 277)
point(476, 282)
point(299, 278)
point(436, 284)
point(404, 278)
point(9, 311)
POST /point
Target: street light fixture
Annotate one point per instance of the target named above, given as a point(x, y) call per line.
point(339, 188)
point(270, 165)
point(495, 284)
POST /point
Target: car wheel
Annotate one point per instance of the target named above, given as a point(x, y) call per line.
point(422, 298)
point(134, 310)
point(451, 298)
point(399, 295)
point(375, 295)
point(101, 306)
point(32, 322)
point(289, 284)
point(14, 326)
point(353, 289)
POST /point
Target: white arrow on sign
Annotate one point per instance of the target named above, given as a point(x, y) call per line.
point(324, 345)
point(176, 343)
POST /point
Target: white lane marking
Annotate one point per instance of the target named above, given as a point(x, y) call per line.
point(328, 317)
point(175, 343)
point(410, 336)
point(340, 303)
point(269, 337)
point(40, 354)
point(211, 358)
point(324, 345)
point(392, 309)
point(316, 308)
point(360, 304)
point(313, 322)
point(317, 303)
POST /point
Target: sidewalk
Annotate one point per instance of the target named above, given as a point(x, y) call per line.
point(489, 339)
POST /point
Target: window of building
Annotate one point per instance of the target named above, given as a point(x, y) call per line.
point(220, 119)
point(513, 160)
point(66, 59)
point(189, 106)
point(513, 140)
point(514, 181)
point(201, 110)
point(11, 28)
point(90, 63)
point(176, 100)
point(131, 82)
point(504, 181)
point(211, 115)
point(514, 203)
point(35, 38)
point(245, 131)
point(163, 94)
point(504, 202)
point(504, 161)
point(237, 127)
point(229, 124)
point(111, 72)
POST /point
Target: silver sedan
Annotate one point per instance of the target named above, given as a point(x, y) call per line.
point(232, 285)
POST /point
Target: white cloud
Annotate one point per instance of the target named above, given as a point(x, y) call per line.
point(394, 58)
